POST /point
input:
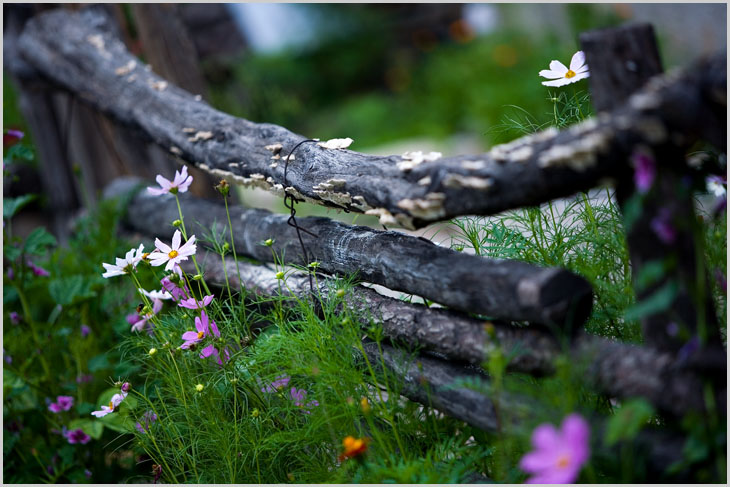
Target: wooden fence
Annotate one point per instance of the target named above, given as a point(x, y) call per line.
point(76, 53)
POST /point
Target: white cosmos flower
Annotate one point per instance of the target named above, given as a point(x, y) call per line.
point(560, 75)
point(173, 254)
point(125, 265)
point(162, 294)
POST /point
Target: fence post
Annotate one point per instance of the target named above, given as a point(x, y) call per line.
point(621, 60)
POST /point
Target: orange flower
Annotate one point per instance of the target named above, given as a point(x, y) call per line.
point(354, 447)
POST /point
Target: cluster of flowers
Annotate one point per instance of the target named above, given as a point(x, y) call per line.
point(62, 404)
point(299, 396)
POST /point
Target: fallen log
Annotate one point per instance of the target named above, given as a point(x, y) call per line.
point(501, 289)
point(74, 51)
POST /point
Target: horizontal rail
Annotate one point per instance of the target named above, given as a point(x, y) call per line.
point(75, 51)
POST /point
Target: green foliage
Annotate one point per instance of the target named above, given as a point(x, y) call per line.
point(628, 421)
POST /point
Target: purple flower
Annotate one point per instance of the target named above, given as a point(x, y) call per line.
point(14, 318)
point(148, 418)
point(11, 274)
point(77, 436)
point(85, 330)
point(138, 322)
point(663, 227)
point(8, 359)
point(192, 303)
point(83, 378)
point(87, 472)
point(63, 403)
point(558, 456)
point(17, 134)
point(688, 349)
point(37, 270)
point(172, 288)
point(299, 396)
point(204, 327)
point(212, 350)
point(644, 171)
point(126, 387)
point(280, 382)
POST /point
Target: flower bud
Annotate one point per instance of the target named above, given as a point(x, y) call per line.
point(223, 187)
point(269, 242)
point(365, 405)
point(126, 387)
point(177, 223)
point(280, 275)
point(197, 277)
point(255, 413)
point(226, 247)
point(340, 293)
point(152, 351)
point(199, 387)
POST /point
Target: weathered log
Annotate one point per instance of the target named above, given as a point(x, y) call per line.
point(502, 289)
point(621, 61)
point(73, 51)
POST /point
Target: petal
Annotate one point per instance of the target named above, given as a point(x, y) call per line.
point(208, 299)
point(156, 191)
point(578, 61)
point(185, 184)
point(576, 435)
point(546, 437)
point(214, 328)
point(580, 76)
point(188, 303)
point(156, 306)
point(558, 67)
point(162, 246)
point(176, 240)
point(201, 323)
point(164, 183)
point(546, 73)
point(171, 263)
point(582, 69)
point(208, 351)
point(190, 336)
point(557, 82)
point(538, 461)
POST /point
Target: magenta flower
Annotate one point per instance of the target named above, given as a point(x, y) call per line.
point(204, 327)
point(138, 322)
point(63, 403)
point(280, 382)
point(180, 183)
point(148, 418)
point(663, 227)
point(14, 317)
point(37, 270)
point(7, 358)
point(17, 134)
point(299, 396)
point(644, 171)
point(175, 290)
point(85, 330)
point(174, 254)
point(77, 436)
point(192, 303)
point(212, 350)
point(11, 274)
point(114, 403)
point(558, 456)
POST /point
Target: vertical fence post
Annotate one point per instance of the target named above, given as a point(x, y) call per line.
point(665, 229)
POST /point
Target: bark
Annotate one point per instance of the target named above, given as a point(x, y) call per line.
point(76, 53)
point(621, 61)
point(501, 289)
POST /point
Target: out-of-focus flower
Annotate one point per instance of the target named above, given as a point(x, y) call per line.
point(126, 387)
point(560, 75)
point(83, 378)
point(125, 265)
point(663, 226)
point(192, 303)
point(63, 403)
point(14, 317)
point(558, 456)
point(178, 291)
point(161, 294)
point(85, 330)
point(199, 387)
point(157, 472)
point(11, 273)
point(354, 447)
point(716, 185)
point(11, 137)
point(6, 357)
point(280, 382)
point(114, 403)
point(179, 184)
point(174, 254)
point(299, 396)
point(77, 436)
point(644, 171)
point(143, 426)
point(37, 270)
point(138, 322)
point(204, 326)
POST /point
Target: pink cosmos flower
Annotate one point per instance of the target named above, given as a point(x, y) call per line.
point(37, 270)
point(558, 456)
point(77, 436)
point(116, 400)
point(63, 403)
point(177, 292)
point(174, 254)
point(138, 322)
point(191, 303)
point(180, 183)
point(125, 265)
point(644, 171)
point(204, 326)
point(280, 382)
point(212, 350)
point(299, 396)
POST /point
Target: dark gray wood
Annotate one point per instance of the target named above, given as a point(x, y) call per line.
point(621, 60)
point(529, 171)
point(495, 288)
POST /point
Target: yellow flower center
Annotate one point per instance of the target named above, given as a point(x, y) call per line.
point(111, 405)
point(570, 74)
point(200, 334)
point(173, 253)
point(563, 461)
